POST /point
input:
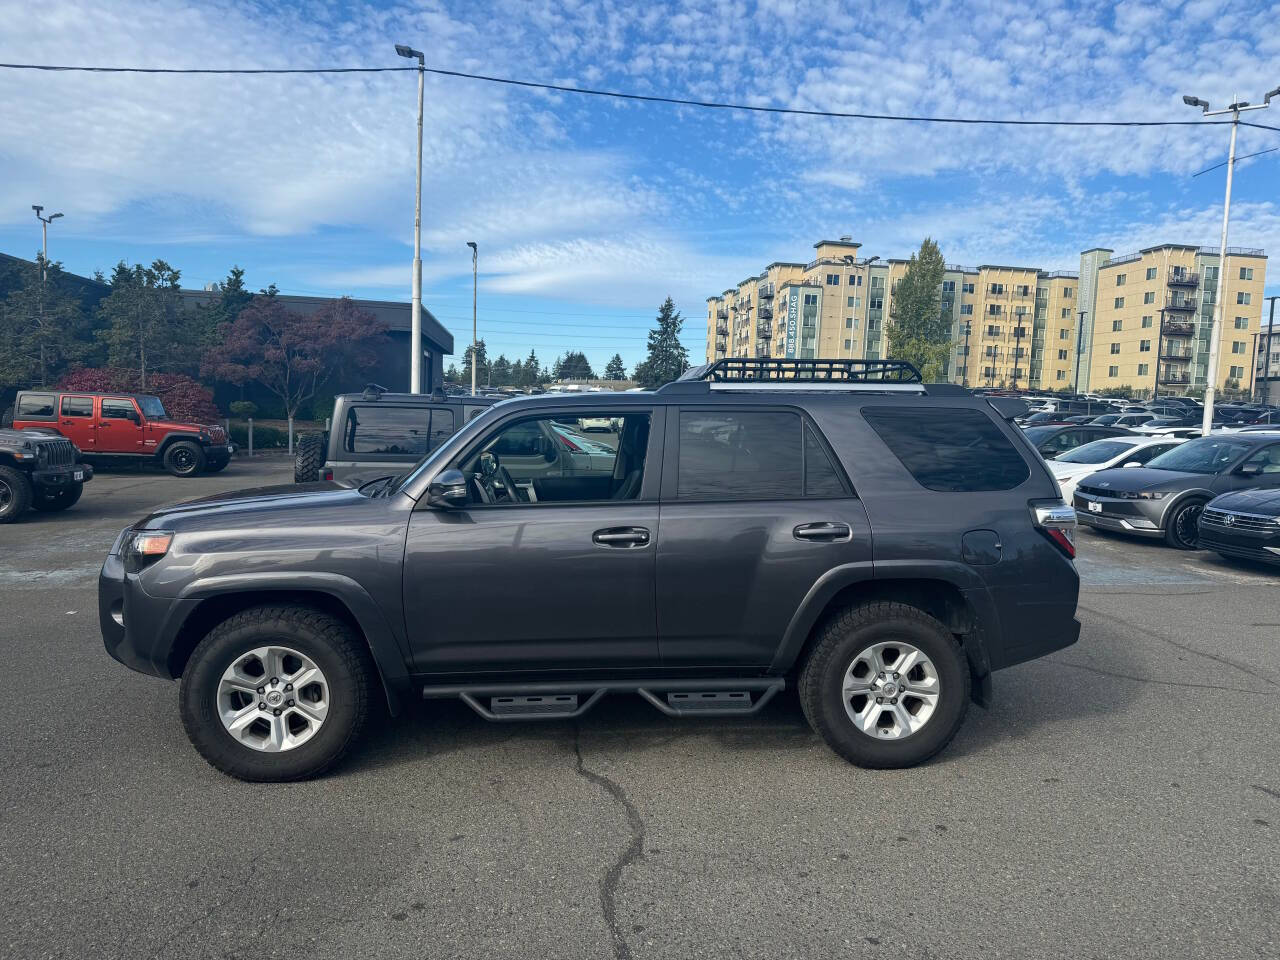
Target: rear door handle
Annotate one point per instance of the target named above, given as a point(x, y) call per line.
point(823, 530)
point(621, 537)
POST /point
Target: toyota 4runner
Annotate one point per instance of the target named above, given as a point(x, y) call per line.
point(831, 524)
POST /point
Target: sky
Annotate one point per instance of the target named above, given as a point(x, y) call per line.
point(588, 212)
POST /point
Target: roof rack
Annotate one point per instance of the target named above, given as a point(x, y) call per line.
point(757, 373)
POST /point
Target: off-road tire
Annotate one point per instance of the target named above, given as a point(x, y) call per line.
point(15, 494)
point(1174, 525)
point(846, 634)
point(54, 500)
point(308, 457)
point(185, 458)
point(340, 654)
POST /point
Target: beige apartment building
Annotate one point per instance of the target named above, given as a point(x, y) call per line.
point(1011, 326)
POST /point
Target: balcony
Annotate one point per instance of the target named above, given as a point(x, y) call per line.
point(722, 313)
point(1178, 328)
point(1180, 303)
point(1183, 278)
point(1175, 379)
point(764, 331)
point(722, 329)
point(1173, 351)
point(765, 291)
point(721, 345)
point(764, 312)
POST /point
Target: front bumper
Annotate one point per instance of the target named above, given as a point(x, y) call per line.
point(1142, 518)
point(138, 629)
point(62, 476)
point(219, 451)
point(1259, 545)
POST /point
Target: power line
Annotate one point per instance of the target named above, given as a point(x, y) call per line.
point(1238, 159)
point(619, 95)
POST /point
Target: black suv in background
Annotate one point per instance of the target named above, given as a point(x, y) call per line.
point(39, 469)
point(833, 524)
point(377, 432)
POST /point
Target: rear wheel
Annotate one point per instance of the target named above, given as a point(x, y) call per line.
point(308, 458)
point(15, 494)
point(886, 685)
point(51, 501)
point(1181, 528)
point(184, 458)
point(276, 693)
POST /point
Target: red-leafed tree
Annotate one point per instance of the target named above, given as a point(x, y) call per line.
point(292, 354)
point(183, 398)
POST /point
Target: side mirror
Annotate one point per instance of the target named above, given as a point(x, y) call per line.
point(546, 449)
point(448, 489)
point(1132, 463)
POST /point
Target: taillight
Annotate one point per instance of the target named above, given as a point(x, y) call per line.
point(1057, 521)
point(328, 475)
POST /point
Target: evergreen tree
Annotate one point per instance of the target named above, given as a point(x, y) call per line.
point(667, 357)
point(451, 375)
point(43, 328)
point(145, 327)
point(482, 365)
point(614, 370)
point(919, 332)
point(500, 372)
point(573, 366)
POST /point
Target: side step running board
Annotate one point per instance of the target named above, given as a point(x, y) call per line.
point(565, 701)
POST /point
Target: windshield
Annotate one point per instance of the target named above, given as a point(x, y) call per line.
point(1202, 455)
point(152, 408)
point(1099, 451)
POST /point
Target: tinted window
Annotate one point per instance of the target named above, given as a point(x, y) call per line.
point(1149, 453)
point(1099, 451)
point(820, 476)
point(1267, 460)
point(118, 410)
point(77, 406)
point(36, 405)
point(953, 450)
point(1202, 455)
point(396, 431)
point(740, 456)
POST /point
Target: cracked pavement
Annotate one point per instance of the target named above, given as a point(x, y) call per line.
point(1121, 797)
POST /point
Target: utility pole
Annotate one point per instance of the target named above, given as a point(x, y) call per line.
point(475, 340)
point(967, 325)
point(1235, 109)
point(1155, 389)
point(415, 330)
point(1079, 347)
point(1266, 362)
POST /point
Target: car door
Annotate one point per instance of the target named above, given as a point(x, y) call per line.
point(559, 581)
point(77, 422)
point(120, 426)
point(755, 509)
point(1261, 468)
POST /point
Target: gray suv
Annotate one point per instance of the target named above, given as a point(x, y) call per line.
point(834, 525)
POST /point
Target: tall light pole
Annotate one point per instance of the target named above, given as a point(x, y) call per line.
point(1235, 109)
point(44, 238)
point(1080, 347)
point(475, 342)
point(415, 331)
point(1266, 362)
point(866, 305)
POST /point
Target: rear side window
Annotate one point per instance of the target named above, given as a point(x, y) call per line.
point(749, 455)
point(77, 406)
point(949, 450)
point(386, 431)
point(35, 405)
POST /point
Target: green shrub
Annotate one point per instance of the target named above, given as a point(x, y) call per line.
point(264, 438)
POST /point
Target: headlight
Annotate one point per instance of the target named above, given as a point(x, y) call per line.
point(1143, 495)
point(144, 547)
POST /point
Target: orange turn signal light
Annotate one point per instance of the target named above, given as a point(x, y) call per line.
point(151, 544)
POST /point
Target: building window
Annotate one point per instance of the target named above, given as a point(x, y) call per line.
point(1149, 297)
point(1144, 369)
point(1060, 375)
point(833, 279)
point(1144, 346)
point(855, 280)
point(1023, 290)
point(1246, 273)
point(1236, 373)
point(1062, 354)
point(1244, 298)
point(1242, 323)
point(1066, 292)
point(851, 302)
point(1146, 321)
point(948, 286)
point(1113, 371)
point(848, 344)
point(1151, 273)
point(995, 288)
point(1119, 302)
point(967, 288)
point(993, 309)
point(966, 309)
point(1210, 273)
point(1064, 333)
point(1237, 346)
point(1120, 279)
point(1117, 325)
point(875, 303)
point(1115, 348)
point(993, 330)
point(810, 299)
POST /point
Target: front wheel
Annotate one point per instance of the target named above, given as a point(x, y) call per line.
point(1182, 527)
point(184, 459)
point(886, 685)
point(51, 501)
point(15, 494)
point(276, 693)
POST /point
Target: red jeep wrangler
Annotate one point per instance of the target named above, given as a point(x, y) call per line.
point(121, 426)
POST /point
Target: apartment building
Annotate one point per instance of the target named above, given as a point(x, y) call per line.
point(1147, 318)
point(840, 305)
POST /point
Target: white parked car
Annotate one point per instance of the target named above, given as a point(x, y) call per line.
point(1074, 465)
point(607, 424)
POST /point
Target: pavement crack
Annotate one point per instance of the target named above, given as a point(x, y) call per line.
point(633, 852)
point(1163, 683)
point(1267, 790)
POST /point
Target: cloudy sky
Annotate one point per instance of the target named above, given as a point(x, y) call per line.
point(588, 212)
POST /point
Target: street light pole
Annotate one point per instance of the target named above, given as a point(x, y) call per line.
point(44, 273)
point(1266, 362)
point(475, 339)
point(1235, 109)
point(415, 330)
point(1079, 347)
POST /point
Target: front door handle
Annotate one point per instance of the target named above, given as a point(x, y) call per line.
point(621, 537)
point(823, 530)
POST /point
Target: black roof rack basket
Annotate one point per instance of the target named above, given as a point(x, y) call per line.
point(797, 372)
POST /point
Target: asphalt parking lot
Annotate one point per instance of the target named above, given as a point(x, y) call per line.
point(1122, 797)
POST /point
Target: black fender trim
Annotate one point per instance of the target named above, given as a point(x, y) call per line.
point(1195, 493)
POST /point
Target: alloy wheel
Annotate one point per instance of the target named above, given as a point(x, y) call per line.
point(273, 699)
point(890, 690)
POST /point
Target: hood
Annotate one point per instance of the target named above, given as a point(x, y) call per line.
point(1135, 479)
point(1265, 501)
point(283, 500)
point(215, 430)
